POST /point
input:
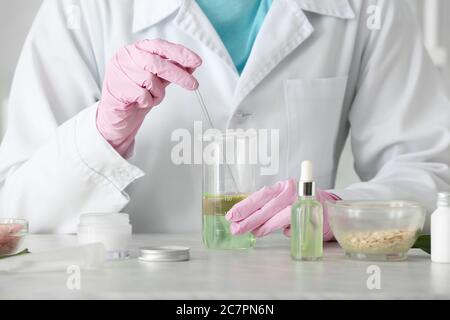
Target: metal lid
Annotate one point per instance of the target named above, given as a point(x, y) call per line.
point(306, 189)
point(164, 254)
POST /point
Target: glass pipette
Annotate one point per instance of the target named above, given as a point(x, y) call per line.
point(205, 112)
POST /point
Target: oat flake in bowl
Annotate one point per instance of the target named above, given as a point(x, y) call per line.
point(379, 242)
point(376, 230)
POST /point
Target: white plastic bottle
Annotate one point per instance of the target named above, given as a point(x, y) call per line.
point(440, 230)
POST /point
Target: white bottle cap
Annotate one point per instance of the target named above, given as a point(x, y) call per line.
point(443, 199)
point(307, 172)
point(306, 185)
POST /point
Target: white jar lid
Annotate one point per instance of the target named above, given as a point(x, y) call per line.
point(104, 219)
point(164, 254)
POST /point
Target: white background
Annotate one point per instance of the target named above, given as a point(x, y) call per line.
point(16, 17)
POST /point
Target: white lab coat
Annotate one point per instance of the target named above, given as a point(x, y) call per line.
point(315, 71)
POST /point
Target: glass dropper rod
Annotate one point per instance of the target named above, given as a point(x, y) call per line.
point(202, 104)
point(205, 112)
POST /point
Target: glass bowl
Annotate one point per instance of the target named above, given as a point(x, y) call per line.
point(376, 230)
point(12, 234)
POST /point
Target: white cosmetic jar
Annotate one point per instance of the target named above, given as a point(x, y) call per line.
point(112, 229)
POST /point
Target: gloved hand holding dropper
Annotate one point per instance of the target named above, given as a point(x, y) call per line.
point(135, 82)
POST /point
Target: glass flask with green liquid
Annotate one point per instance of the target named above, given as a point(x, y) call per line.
point(228, 178)
point(307, 220)
point(216, 229)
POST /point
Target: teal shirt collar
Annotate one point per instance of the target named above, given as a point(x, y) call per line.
point(237, 23)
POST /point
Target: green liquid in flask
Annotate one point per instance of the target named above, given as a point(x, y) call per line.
point(216, 229)
point(307, 230)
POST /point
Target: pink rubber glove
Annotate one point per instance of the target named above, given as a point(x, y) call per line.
point(269, 209)
point(135, 82)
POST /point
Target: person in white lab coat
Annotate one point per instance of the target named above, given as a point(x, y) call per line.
point(316, 72)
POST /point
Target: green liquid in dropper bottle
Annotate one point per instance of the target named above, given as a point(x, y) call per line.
point(307, 220)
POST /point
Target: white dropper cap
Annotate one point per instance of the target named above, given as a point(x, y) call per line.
point(306, 185)
point(307, 172)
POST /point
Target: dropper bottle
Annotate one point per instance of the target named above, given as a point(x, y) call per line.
point(307, 219)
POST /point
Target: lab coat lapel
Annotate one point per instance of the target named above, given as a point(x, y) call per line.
point(285, 28)
point(190, 19)
point(193, 21)
point(149, 12)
